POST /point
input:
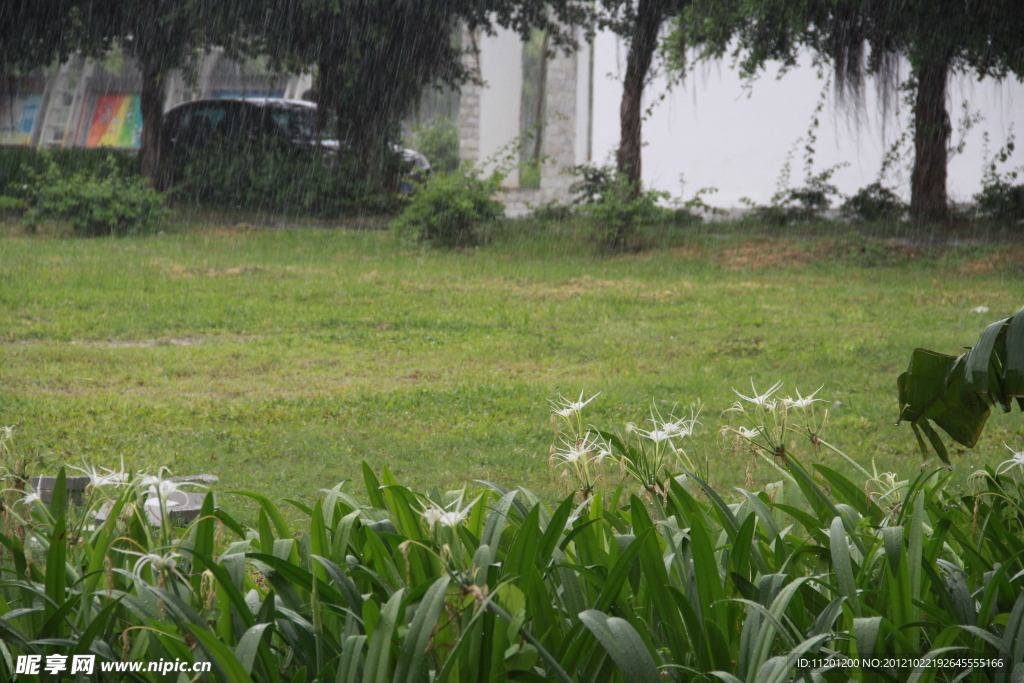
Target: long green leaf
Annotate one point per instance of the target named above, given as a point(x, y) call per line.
point(378, 656)
point(414, 649)
point(624, 644)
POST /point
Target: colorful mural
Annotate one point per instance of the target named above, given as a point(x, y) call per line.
point(18, 117)
point(116, 122)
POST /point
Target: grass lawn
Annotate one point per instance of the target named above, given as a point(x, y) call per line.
point(280, 359)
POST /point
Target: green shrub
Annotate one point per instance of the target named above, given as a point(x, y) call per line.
point(614, 205)
point(1001, 201)
point(283, 179)
point(874, 203)
point(448, 208)
point(439, 142)
point(1000, 198)
point(658, 577)
point(15, 160)
point(104, 202)
point(800, 204)
point(552, 211)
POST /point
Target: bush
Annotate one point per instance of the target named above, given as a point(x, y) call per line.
point(874, 203)
point(107, 201)
point(446, 210)
point(439, 142)
point(283, 179)
point(1001, 201)
point(553, 211)
point(658, 577)
point(614, 205)
point(14, 161)
point(800, 204)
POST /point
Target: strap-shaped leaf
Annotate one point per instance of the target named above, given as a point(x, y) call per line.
point(980, 357)
point(414, 648)
point(624, 645)
point(956, 392)
point(378, 656)
point(1013, 364)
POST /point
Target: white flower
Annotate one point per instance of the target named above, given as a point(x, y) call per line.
point(168, 562)
point(656, 435)
point(432, 515)
point(30, 498)
point(749, 433)
point(567, 408)
point(435, 514)
point(762, 399)
point(681, 428)
point(577, 450)
point(1016, 460)
point(802, 402)
point(453, 518)
point(110, 478)
point(979, 309)
point(159, 487)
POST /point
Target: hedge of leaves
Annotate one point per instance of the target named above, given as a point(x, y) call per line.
point(407, 586)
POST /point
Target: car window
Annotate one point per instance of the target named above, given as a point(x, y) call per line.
point(213, 115)
point(300, 123)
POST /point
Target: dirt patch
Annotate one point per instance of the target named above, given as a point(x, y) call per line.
point(1010, 258)
point(144, 344)
point(687, 252)
point(760, 254)
point(234, 272)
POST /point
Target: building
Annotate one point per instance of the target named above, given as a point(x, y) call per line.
point(93, 103)
point(526, 114)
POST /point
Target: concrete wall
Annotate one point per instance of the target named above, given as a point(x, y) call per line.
point(501, 58)
point(715, 132)
point(489, 115)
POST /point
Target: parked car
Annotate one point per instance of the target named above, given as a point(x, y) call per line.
point(193, 126)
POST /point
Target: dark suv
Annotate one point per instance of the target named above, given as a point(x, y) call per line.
point(190, 127)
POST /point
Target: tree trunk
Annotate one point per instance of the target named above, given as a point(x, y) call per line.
point(641, 50)
point(931, 137)
point(152, 106)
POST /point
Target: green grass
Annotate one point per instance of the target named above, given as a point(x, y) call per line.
point(280, 359)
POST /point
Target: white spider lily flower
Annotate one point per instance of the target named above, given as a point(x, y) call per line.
point(680, 429)
point(167, 562)
point(749, 433)
point(761, 399)
point(1016, 460)
point(108, 478)
point(160, 488)
point(656, 435)
point(30, 498)
point(432, 515)
point(435, 514)
point(566, 408)
point(802, 402)
point(575, 451)
point(453, 518)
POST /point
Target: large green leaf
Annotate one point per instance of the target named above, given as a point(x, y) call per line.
point(956, 392)
point(417, 640)
point(378, 656)
point(625, 646)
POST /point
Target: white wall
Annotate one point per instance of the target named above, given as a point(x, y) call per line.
point(719, 135)
point(501, 67)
